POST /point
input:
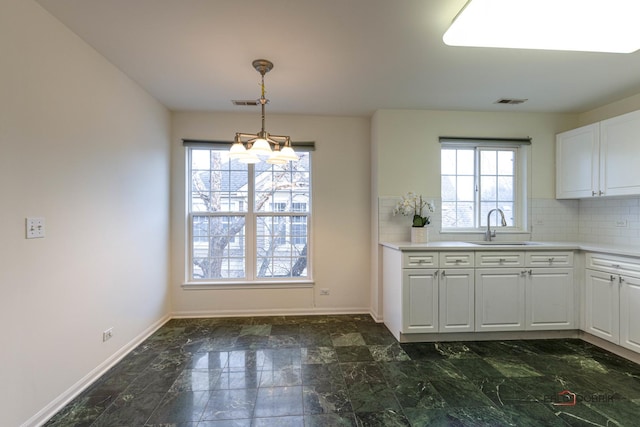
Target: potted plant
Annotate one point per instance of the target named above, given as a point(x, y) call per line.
point(415, 206)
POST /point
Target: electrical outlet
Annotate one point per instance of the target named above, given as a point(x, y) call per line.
point(107, 335)
point(621, 223)
point(34, 228)
point(324, 291)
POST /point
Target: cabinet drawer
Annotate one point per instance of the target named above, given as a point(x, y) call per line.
point(456, 259)
point(499, 259)
point(614, 264)
point(419, 259)
point(549, 259)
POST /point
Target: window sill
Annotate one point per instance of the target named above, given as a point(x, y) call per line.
point(247, 285)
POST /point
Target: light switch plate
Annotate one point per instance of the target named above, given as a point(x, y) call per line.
point(35, 228)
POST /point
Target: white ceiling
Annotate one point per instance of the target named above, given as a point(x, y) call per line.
point(333, 57)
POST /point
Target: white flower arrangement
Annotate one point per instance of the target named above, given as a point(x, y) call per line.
point(413, 204)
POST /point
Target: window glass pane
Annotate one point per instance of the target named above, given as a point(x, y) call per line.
point(281, 246)
point(505, 188)
point(465, 188)
point(217, 184)
point(448, 162)
point(283, 184)
point(218, 247)
point(488, 162)
point(465, 215)
point(506, 162)
point(466, 162)
point(448, 188)
point(488, 188)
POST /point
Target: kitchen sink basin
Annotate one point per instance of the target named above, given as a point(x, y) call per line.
point(504, 243)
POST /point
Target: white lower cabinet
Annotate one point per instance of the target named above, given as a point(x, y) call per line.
point(500, 299)
point(630, 313)
point(549, 295)
point(419, 300)
point(613, 299)
point(602, 305)
point(456, 300)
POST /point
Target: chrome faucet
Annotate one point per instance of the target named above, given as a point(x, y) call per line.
point(489, 234)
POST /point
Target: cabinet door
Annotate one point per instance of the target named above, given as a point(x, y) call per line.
point(577, 154)
point(630, 313)
point(602, 305)
point(420, 300)
point(500, 296)
point(456, 300)
point(550, 299)
point(620, 154)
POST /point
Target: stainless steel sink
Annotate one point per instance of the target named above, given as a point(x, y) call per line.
point(504, 243)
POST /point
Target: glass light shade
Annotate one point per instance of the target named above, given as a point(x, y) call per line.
point(260, 146)
point(237, 151)
point(287, 153)
point(276, 159)
point(577, 25)
point(249, 158)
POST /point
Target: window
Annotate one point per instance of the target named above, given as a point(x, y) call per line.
point(247, 223)
point(478, 176)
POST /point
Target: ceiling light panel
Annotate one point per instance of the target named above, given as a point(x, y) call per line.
point(578, 25)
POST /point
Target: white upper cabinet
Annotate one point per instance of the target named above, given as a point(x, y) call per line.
point(577, 162)
point(600, 159)
point(620, 155)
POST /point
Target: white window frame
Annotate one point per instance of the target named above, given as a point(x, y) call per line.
point(522, 180)
point(250, 242)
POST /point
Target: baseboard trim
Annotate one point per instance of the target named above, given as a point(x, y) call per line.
point(67, 396)
point(318, 311)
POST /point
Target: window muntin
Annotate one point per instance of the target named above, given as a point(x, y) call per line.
point(242, 221)
point(476, 178)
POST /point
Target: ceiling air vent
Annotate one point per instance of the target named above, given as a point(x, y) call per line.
point(510, 101)
point(245, 102)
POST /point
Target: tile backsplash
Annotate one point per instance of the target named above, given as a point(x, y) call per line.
point(599, 220)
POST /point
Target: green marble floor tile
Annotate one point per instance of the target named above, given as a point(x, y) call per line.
point(455, 350)
point(339, 339)
point(372, 397)
point(349, 370)
point(512, 367)
point(475, 368)
point(357, 353)
point(439, 369)
point(330, 420)
point(362, 372)
point(387, 418)
point(326, 399)
point(180, 407)
point(504, 391)
point(318, 355)
point(388, 353)
point(461, 394)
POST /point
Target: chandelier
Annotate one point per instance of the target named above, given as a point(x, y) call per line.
point(253, 147)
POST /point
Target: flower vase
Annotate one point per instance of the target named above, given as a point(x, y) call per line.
point(419, 235)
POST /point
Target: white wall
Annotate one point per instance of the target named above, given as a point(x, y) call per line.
point(84, 147)
point(341, 216)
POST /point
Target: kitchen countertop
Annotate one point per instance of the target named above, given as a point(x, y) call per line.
point(500, 246)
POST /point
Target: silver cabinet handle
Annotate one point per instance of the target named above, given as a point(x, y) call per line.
point(612, 278)
point(593, 193)
point(551, 260)
point(620, 279)
point(615, 265)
